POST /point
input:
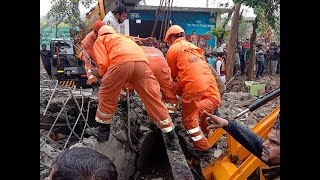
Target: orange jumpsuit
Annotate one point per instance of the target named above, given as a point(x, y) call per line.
point(121, 60)
point(197, 85)
point(87, 45)
point(162, 72)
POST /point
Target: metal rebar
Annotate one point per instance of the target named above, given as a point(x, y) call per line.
point(79, 109)
point(68, 124)
point(86, 121)
point(74, 126)
point(62, 108)
point(242, 113)
point(132, 132)
point(45, 111)
point(77, 104)
point(129, 126)
point(232, 78)
point(57, 124)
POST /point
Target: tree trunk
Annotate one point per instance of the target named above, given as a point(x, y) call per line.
point(228, 18)
point(232, 42)
point(219, 39)
point(240, 18)
point(252, 54)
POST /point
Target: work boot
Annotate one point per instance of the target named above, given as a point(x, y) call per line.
point(101, 132)
point(173, 141)
point(205, 157)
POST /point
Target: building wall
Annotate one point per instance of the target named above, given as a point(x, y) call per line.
point(218, 23)
point(142, 21)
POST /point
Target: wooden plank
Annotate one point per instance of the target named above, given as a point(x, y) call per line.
point(179, 166)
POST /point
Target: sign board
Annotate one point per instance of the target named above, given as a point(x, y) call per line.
point(198, 22)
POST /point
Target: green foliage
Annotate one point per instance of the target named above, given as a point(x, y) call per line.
point(71, 7)
point(277, 28)
point(243, 28)
point(219, 32)
point(264, 8)
point(42, 23)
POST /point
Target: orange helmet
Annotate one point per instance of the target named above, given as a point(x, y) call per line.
point(175, 29)
point(97, 25)
point(105, 29)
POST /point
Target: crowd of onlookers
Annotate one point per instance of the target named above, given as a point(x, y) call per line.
point(267, 56)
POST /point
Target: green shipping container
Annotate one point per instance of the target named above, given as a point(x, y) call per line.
point(50, 32)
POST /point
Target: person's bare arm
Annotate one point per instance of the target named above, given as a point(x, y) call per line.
point(251, 141)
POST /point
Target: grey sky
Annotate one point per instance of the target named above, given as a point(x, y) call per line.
point(45, 5)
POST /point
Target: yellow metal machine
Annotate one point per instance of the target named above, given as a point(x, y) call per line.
point(96, 13)
point(237, 162)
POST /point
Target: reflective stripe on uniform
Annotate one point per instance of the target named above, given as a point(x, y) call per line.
point(197, 138)
point(105, 115)
point(167, 129)
point(194, 130)
point(164, 122)
point(91, 76)
point(169, 105)
point(101, 121)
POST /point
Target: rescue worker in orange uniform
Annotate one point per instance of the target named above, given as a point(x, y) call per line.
point(162, 72)
point(87, 46)
point(121, 60)
point(195, 83)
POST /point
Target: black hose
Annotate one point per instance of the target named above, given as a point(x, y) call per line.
point(266, 98)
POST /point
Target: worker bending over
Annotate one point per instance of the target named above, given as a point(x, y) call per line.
point(195, 83)
point(121, 60)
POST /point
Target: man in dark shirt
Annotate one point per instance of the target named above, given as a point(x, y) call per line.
point(275, 56)
point(46, 59)
point(267, 150)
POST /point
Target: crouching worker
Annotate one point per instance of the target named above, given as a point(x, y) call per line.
point(162, 72)
point(122, 61)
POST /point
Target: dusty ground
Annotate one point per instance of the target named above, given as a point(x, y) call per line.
point(235, 99)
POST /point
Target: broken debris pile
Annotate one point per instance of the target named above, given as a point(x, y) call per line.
point(121, 148)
